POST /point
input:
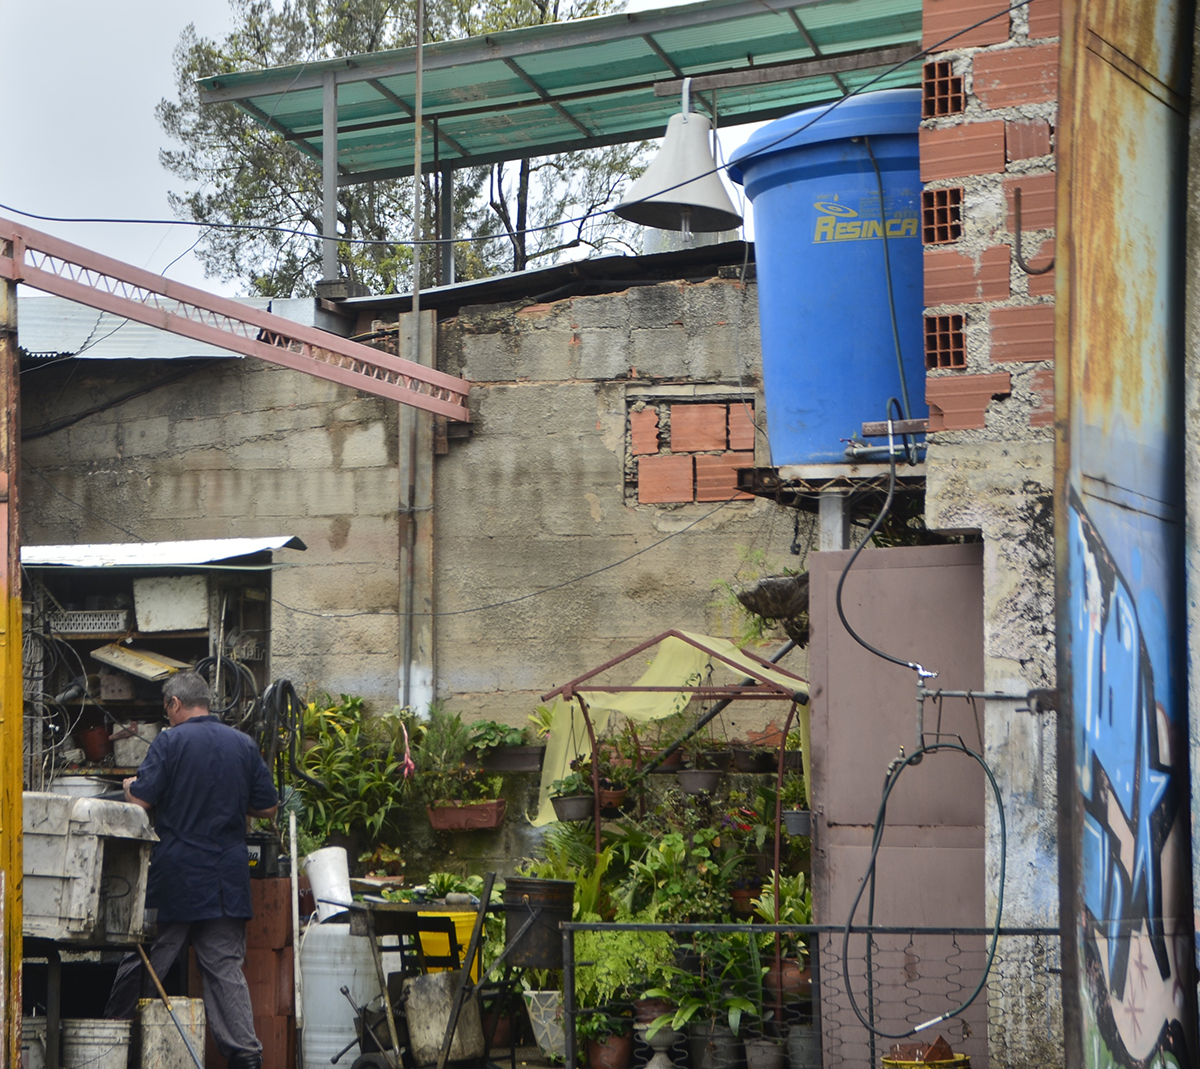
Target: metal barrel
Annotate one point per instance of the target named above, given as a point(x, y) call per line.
point(540, 947)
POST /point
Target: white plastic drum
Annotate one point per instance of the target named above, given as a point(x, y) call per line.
point(331, 957)
point(95, 1043)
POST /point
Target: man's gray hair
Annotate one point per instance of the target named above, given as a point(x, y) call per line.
point(189, 687)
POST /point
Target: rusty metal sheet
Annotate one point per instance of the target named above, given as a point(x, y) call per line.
point(1126, 889)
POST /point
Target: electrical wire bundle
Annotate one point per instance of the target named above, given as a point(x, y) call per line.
point(278, 728)
point(234, 690)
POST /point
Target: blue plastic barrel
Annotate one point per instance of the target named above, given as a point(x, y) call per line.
point(828, 352)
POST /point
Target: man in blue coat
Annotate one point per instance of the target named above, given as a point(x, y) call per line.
point(202, 779)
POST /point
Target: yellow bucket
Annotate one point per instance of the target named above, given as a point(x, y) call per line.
point(437, 943)
point(959, 1061)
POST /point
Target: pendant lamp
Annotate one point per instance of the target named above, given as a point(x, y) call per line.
point(681, 189)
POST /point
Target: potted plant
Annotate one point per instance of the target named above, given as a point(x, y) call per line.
point(572, 796)
point(542, 991)
point(502, 748)
point(608, 1039)
point(796, 817)
point(457, 797)
point(790, 980)
point(744, 889)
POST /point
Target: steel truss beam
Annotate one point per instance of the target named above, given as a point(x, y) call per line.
point(59, 267)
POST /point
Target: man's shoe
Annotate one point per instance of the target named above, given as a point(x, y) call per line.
point(245, 1059)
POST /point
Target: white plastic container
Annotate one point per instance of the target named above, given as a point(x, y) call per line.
point(328, 872)
point(95, 1043)
point(33, 1043)
point(161, 1045)
point(330, 957)
point(86, 861)
point(80, 786)
point(130, 751)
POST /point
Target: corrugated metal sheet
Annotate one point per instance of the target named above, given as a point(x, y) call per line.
point(53, 326)
point(1122, 137)
point(593, 81)
point(153, 554)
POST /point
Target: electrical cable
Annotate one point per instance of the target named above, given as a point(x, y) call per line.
point(283, 717)
point(890, 780)
point(346, 240)
point(868, 880)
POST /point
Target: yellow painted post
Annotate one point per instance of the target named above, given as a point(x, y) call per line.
point(11, 688)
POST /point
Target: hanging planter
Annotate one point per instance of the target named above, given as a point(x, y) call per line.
point(574, 806)
point(698, 780)
point(466, 816)
point(798, 821)
point(754, 760)
point(612, 798)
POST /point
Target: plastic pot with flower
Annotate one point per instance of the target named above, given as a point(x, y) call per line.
point(572, 796)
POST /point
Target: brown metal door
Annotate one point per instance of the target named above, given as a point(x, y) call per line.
point(923, 604)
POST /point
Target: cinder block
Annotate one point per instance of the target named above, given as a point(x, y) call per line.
point(952, 278)
point(663, 479)
point(1023, 333)
point(643, 428)
point(698, 427)
point(741, 425)
point(1012, 76)
point(1037, 201)
point(1025, 139)
point(965, 149)
point(942, 19)
point(959, 402)
point(271, 926)
point(716, 476)
point(1043, 386)
point(1045, 18)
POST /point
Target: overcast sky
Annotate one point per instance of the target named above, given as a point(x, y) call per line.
point(80, 137)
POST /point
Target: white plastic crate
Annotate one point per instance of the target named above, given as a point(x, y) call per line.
point(85, 869)
point(95, 622)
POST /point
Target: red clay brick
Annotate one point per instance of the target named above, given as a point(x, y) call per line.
point(957, 151)
point(945, 18)
point(741, 425)
point(1026, 138)
point(285, 996)
point(1037, 201)
point(1025, 333)
point(698, 427)
point(1041, 285)
point(959, 402)
point(1043, 385)
point(663, 479)
point(1012, 76)
point(952, 278)
point(643, 427)
point(716, 476)
point(1045, 18)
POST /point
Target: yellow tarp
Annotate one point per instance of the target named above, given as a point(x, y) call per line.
point(676, 664)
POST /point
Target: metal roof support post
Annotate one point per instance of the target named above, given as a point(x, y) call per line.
point(329, 141)
point(12, 714)
point(447, 234)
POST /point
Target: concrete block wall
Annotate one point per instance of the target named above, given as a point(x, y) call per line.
point(991, 107)
point(237, 448)
point(543, 493)
point(577, 462)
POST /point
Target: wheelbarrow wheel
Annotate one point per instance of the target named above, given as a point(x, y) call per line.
point(371, 1061)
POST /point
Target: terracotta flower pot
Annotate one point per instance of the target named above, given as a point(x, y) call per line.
point(613, 799)
point(646, 1010)
point(466, 816)
point(611, 1052)
point(743, 899)
point(789, 980)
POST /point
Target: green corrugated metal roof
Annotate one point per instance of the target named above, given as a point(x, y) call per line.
point(576, 85)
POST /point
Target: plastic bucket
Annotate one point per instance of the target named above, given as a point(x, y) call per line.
point(428, 1002)
point(828, 352)
point(329, 873)
point(331, 957)
point(439, 944)
point(79, 786)
point(541, 945)
point(95, 1043)
point(161, 1045)
point(33, 1043)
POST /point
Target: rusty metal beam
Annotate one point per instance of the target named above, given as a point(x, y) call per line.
point(12, 716)
point(56, 266)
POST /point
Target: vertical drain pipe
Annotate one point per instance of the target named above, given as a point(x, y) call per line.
point(409, 577)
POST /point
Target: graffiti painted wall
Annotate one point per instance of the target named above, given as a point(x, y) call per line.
point(1127, 882)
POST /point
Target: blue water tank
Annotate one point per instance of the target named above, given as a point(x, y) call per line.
point(828, 351)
